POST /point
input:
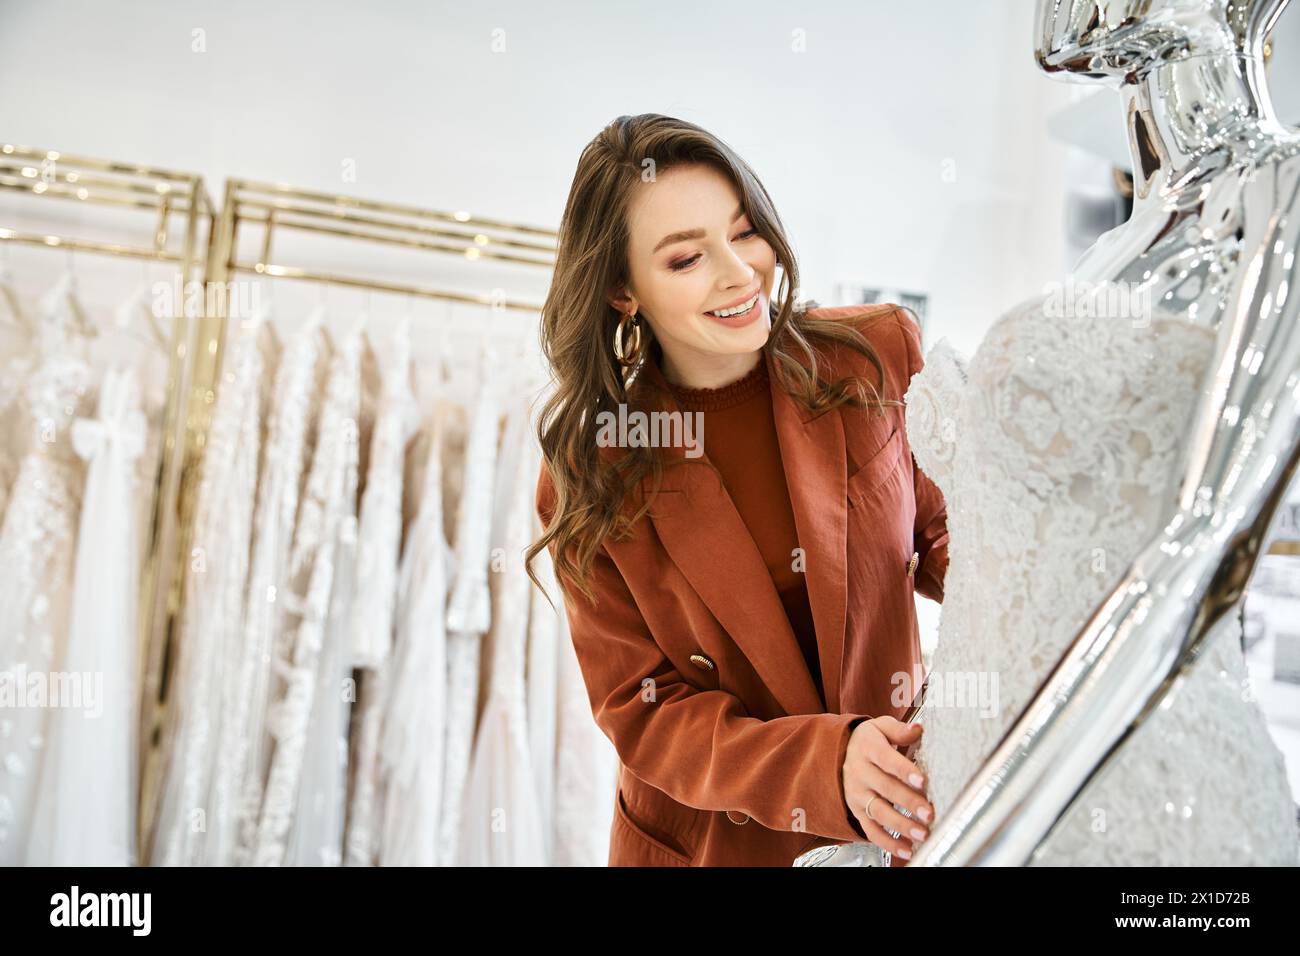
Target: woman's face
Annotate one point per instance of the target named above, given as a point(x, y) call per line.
point(693, 251)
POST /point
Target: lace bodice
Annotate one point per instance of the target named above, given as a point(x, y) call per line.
point(1056, 449)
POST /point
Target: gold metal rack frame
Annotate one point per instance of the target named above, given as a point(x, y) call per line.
point(179, 207)
point(277, 209)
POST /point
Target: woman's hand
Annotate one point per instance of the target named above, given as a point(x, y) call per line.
point(874, 768)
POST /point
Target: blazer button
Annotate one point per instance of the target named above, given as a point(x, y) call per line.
point(740, 813)
point(911, 564)
point(699, 660)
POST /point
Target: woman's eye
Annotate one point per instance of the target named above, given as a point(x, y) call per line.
point(687, 263)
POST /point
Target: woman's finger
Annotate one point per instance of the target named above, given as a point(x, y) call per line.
point(898, 766)
point(890, 818)
point(881, 781)
point(877, 834)
point(896, 732)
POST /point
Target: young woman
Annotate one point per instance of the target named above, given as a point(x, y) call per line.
point(740, 596)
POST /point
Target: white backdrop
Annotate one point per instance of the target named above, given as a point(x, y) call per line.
point(904, 144)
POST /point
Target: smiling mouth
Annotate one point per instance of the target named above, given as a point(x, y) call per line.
point(741, 309)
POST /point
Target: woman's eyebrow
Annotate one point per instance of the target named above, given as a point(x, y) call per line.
point(691, 233)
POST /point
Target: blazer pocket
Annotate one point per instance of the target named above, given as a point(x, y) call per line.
point(663, 854)
point(877, 469)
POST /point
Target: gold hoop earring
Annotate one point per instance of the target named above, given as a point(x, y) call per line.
point(627, 357)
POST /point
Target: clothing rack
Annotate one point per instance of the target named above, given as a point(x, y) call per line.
point(277, 209)
point(165, 194)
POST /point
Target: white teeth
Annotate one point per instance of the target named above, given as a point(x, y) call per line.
point(738, 310)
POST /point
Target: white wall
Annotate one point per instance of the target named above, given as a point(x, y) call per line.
point(853, 137)
point(858, 137)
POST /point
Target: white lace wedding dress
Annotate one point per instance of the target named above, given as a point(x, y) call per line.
point(1056, 450)
point(469, 610)
point(369, 627)
point(502, 825)
point(211, 629)
point(243, 757)
point(323, 541)
point(37, 551)
point(87, 807)
point(415, 717)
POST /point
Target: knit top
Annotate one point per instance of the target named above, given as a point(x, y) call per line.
point(740, 439)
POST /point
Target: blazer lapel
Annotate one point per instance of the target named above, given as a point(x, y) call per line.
point(816, 472)
point(707, 539)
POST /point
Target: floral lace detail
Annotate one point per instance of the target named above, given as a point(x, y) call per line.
point(76, 824)
point(931, 429)
point(242, 757)
point(326, 523)
point(213, 607)
point(37, 544)
point(1064, 443)
point(35, 573)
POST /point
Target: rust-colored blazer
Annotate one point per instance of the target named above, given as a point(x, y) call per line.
point(692, 669)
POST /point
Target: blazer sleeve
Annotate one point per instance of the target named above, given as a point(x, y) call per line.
point(700, 747)
point(930, 533)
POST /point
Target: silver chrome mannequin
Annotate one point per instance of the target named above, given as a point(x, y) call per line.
point(1214, 234)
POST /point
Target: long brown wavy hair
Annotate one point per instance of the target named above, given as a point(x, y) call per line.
point(578, 323)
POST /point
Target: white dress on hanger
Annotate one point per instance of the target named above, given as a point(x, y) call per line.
point(1056, 450)
point(87, 813)
point(326, 529)
point(415, 719)
point(370, 630)
point(210, 633)
point(244, 754)
point(316, 836)
point(37, 545)
point(469, 609)
point(581, 762)
point(543, 687)
point(380, 535)
point(586, 763)
point(502, 825)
